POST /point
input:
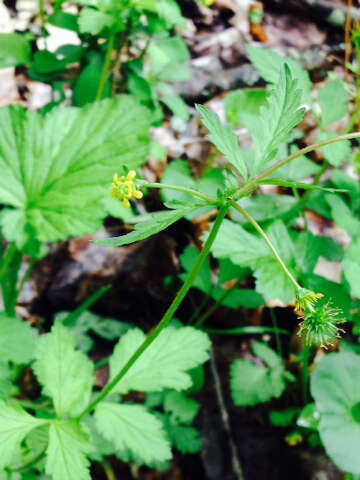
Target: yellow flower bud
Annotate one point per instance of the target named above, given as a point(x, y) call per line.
point(124, 188)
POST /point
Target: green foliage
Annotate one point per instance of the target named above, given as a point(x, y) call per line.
point(352, 266)
point(17, 340)
point(248, 250)
point(149, 225)
point(67, 450)
point(132, 428)
point(224, 139)
point(168, 358)
point(14, 50)
point(15, 424)
point(335, 386)
point(56, 167)
point(281, 114)
point(242, 107)
point(65, 374)
point(333, 100)
point(252, 384)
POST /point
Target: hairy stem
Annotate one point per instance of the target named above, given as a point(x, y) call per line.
point(164, 322)
point(267, 240)
point(177, 188)
point(252, 184)
point(106, 68)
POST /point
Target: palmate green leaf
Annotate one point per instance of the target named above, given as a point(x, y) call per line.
point(163, 364)
point(342, 215)
point(148, 225)
point(17, 340)
point(277, 119)
point(65, 374)
point(252, 384)
point(333, 100)
point(131, 427)
point(337, 153)
point(180, 407)
point(56, 169)
point(66, 452)
point(242, 104)
point(15, 424)
point(224, 139)
point(335, 387)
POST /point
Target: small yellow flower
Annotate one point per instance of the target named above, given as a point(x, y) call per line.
point(293, 439)
point(124, 188)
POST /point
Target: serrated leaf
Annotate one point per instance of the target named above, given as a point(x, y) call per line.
point(93, 21)
point(224, 139)
point(164, 363)
point(246, 249)
point(264, 207)
point(269, 64)
point(180, 407)
point(277, 119)
point(17, 340)
point(66, 453)
point(5, 381)
point(15, 424)
point(149, 225)
point(65, 374)
point(352, 266)
point(54, 169)
point(242, 104)
point(252, 384)
point(131, 427)
point(333, 100)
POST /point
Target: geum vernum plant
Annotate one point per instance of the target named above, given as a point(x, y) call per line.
point(161, 359)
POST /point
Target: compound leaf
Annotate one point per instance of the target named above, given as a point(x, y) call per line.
point(163, 364)
point(131, 427)
point(65, 374)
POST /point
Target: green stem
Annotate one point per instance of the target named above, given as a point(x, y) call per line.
point(101, 363)
point(199, 309)
point(250, 330)
point(252, 184)
point(8, 258)
point(216, 305)
point(267, 240)
point(25, 279)
point(106, 67)
point(166, 319)
point(190, 191)
point(71, 319)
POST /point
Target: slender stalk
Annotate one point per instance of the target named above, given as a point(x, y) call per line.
point(252, 184)
point(106, 68)
point(166, 319)
point(199, 309)
point(71, 319)
point(267, 240)
point(8, 258)
point(249, 330)
point(101, 363)
point(190, 191)
point(216, 305)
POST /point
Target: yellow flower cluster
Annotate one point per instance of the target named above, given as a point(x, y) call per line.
point(124, 188)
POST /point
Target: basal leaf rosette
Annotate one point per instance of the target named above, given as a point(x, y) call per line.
point(335, 386)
